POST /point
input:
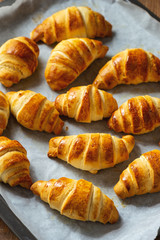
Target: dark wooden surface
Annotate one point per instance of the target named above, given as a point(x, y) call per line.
point(5, 232)
point(152, 5)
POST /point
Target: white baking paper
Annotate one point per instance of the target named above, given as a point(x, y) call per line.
point(140, 215)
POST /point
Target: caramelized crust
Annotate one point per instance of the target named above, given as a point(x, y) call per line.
point(18, 60)
point(138, 115)
point(86, 104)
point(72, 22)
point(91, 152)
point(4, 112)
point(79, 200)
point(14, 165)
point(70, 58)
point(132, 66)
point(142, 176)
point(34, 111)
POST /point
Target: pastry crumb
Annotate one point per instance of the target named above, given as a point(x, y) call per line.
point(67, 128)
point(123, 205)
point(37, 18)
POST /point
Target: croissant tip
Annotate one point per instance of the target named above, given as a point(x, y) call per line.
point(31, 187)
point(130, 141)
point(26, 185)
point(50, 155)
point(9, 95)
point(109, 33)
point(115, 216)
point(119, 191)
point(37, 34)
point(35, 188)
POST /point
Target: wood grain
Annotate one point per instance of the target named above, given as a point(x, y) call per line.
point(5, 232)
point(152, 5)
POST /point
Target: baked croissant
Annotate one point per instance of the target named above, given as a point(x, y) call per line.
point(4, 112)
point(132, 66)
point(142, 176)
point(86, 104)
point(34, 111)
point(72, 22)
point(70, 58)
point(138, 115)
point(14, 165)
point(18, 60)
point(91, 151)
point(79, 200)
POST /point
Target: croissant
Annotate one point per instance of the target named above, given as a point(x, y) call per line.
point(4, 112)
point(142, 176)
point(132, 66)
point(14, 165)
point(18, 60)
point(70, 58)
point(86, 104)
point(138, 115)
point(34, 111)
point(72, 22)
point(91, 151)
point(79, 200)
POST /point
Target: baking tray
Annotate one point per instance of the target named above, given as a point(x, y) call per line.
point(20, 230)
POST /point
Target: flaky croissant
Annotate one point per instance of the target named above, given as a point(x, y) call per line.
point(35, 111)
point(138, 115)
point(91, 151)
point(79, 200)
point(70, 58)
point(142, 176)
point(18, 60)
point(72, 22)
point(86, 104)
point(4, 112)
point(14, 165)
point(132, 66)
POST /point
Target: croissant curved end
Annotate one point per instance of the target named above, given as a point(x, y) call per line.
point(36, 187)
point(109, 28)
point(119, 190)
point(115, 216)
point(37, 34)
point(26, 182)
point(129, 141)
point(104, 50)
point(98, 82)
point(9, 94)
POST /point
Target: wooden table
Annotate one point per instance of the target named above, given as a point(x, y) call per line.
point(152, 5)
point(5, 232)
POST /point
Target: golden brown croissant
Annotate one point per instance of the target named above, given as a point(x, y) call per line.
point(72, 22)
point(34, 111)
point(91, 151)
point(79, 200)
point(138, 115)
point(18, 60)
point(142, 176)
point(70, 58)
point(132, 66)
point(14, 165)
point(4, 112)
point(86, 104)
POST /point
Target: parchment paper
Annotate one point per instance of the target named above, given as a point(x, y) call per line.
point(140, 215)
